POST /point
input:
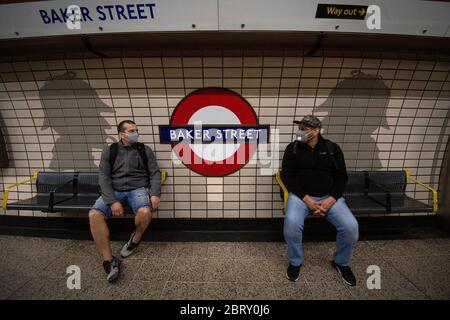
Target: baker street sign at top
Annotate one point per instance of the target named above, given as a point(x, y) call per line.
point(71, 17)
point(74, 13)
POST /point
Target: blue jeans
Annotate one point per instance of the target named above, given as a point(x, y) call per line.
point(137, 198)
point(339, 215)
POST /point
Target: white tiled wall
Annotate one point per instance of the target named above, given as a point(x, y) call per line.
point(385, 113)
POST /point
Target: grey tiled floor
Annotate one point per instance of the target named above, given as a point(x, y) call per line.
point(35, 268)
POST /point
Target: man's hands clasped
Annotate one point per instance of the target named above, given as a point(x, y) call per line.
point(320, 207)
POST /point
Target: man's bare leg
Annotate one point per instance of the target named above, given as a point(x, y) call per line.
point(142, 220)
point(100, 233)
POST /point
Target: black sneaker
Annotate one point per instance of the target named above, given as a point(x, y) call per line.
point(293, 272)
point(107, 266)
point(112, 269)
point(346, 274)
point(129, 247)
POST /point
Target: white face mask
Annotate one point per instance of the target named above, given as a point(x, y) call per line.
point(303, 136)
point(133, 137)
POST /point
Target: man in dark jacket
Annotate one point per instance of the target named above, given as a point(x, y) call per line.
point(315, 175)
point(129, 175)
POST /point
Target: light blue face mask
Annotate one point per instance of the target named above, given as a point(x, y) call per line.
point(303, 136)
point(133, 137)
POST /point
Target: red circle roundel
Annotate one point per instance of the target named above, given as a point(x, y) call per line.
point(213, 131)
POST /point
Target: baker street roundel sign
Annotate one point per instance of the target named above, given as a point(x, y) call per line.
point(214, 131)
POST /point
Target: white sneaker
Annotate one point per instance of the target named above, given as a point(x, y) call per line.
point(129, 247)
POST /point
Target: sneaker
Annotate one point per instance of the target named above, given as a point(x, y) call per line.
point(112, 269)
point(346, 274)
point(107, 266)
point(293, 272)
point(129, 247)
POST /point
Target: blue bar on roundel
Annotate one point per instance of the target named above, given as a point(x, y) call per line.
point(208, 134)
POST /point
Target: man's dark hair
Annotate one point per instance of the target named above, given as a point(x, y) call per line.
point(121, 124)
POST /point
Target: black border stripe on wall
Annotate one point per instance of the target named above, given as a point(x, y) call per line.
point(220, 229)
point(4, 161)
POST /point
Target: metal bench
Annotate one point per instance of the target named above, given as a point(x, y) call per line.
point(366, 192)
point(382, 192)
point(61, 191)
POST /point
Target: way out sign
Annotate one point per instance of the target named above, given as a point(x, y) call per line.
point(214, 131)
point(340, 11)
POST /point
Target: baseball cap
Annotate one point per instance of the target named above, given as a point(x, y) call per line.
point(311, 121)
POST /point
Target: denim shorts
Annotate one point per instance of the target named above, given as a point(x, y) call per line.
point(137, 198)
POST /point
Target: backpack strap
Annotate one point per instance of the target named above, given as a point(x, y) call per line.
point(143, 154)
point(330, 148)
point(113, 151)
point(294, 149)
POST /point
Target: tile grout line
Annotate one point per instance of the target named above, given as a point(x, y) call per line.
point(133, 279)
point(408, 279)
point(168, 277)
point(49, 262)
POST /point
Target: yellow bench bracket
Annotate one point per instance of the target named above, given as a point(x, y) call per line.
point(283, 187)
point(434, 191)
point(6, 192)
point(163, 176)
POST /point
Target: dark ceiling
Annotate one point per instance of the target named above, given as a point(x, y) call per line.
point(138, 43)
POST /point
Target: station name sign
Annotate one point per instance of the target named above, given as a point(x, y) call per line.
point(111, 12)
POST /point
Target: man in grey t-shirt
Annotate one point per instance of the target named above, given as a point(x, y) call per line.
point(129, 175)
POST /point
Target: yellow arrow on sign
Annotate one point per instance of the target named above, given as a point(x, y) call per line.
point(362, 12)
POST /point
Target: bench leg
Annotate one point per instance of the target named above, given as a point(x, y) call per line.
point(100, 233)
point(142, 220)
